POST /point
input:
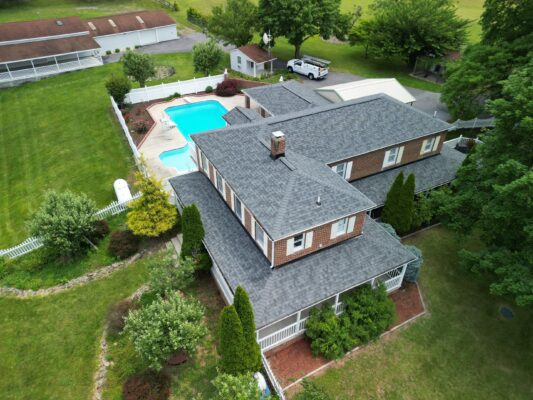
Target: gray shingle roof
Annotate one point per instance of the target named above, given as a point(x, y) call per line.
point(285, 97)
point(241, 115)
point(429, 173)
point(276, 293)
point(281, 193)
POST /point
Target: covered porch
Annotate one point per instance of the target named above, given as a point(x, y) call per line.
point(35, 68)
point(292, 326)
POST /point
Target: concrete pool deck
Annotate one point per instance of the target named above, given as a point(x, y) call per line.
point(161, 138)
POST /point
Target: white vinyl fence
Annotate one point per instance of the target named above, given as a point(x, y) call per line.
point(163, 90)
point(124, 126)
point(34, 243)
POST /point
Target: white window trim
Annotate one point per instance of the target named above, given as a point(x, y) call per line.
point(349, 226)
point(223, 182)
point(307, 242)
point(397, 159)
point(347, 169)
point(263, 245)
point(302, 244)
point(425, 148)
point(241, 217)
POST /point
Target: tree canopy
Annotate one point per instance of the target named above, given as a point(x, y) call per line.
point(412, 28)
point(206, 56)
point(299, 20)
point(235, 22)
point(139, 66)
point(494, 193)
point(506, 20)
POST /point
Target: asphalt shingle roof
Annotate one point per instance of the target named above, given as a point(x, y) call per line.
point(279, 292)
point(282, 193)
point(285, 97)
point(429, 173)
point(241, 115)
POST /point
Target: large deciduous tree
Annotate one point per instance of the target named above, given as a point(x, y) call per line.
point(206, 56)
point(493, 192)
point(506, 20)
point(299, 20)
point(245, 311)
point(412, 28)
point(139, 66)
point(235, 22)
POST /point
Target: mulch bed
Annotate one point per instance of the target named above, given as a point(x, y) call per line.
point(296, 360)
point(134, 114)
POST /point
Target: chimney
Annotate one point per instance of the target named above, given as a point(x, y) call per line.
point(277, 144)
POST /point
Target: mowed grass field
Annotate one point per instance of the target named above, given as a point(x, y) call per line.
point(463, 349)
point(60, 133)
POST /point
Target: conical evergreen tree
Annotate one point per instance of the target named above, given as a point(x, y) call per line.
point(406, 205)
point(231, 349)
point(246, 314)
point(193, 231)
point(389, 214)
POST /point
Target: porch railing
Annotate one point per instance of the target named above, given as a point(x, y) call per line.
point(272, 378)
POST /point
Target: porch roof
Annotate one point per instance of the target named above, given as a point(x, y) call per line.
point(279, 292)
point(430, 172)
point(256, 53)
point(46, 48)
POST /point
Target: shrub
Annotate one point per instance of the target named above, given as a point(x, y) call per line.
point(168, 275)
point(175, 7)
point(140, 126)
point(197, 18)
point(390, 209)
point(368, 312)
point(193, 232)
point(206, 56)
point(172, 96)
point(123, 244)
point(165, 327)
point(209, 89)
point(147, 385)
point(64, 222)
point(116, 316)
point(390, 230)
point(422, 213)
point(311, 391)
point(108, 52)
point(151, 214)
point(252, 352)
point(236, 387)
point(227, 88)
point(231, 348)
point(328, 335)
point(203, 260)
point(117, 50)
point(100, 230)
point(413, 268)
point(140, 66)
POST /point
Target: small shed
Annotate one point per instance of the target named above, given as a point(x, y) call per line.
point(122, 191)
point(252, 60)
point(366, 87)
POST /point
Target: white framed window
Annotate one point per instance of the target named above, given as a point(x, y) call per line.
point(342, 227)
point(393, 156)
point(260, 236)
point(343, 169)
point(299, 242)
point(427, 145)
point(220, 184)
point(205, 164)
point(239, 60)
point(238, 207)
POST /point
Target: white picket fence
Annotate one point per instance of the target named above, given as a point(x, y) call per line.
point(124, 126)
point(163, 90)
point(33, 243)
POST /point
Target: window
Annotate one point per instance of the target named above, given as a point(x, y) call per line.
point(341, 226)
point(392, 156)
point(298, 243)
point(205, 165)
point(427, 145)
point(237, 207)
point(259, 235)
point(220, 183)
point(340, 169)
point(251, 64)
point(239, 60)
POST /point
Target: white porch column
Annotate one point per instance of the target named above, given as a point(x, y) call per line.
point(403, 273)
point(336, 302)
point(255, 70)
point(373, 283)
point(33, 66)
point(57, 64)
point(9, 72)
point(298, 318)
point(78, 57)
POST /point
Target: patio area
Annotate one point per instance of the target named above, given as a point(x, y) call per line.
point(294, 361)
point(165, 136)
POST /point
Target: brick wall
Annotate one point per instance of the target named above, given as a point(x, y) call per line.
point(371, 163)
point(321, 240)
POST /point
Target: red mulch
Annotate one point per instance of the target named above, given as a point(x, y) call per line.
point(135, 113)
point(296, 360)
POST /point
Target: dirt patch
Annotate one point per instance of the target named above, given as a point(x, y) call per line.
point(296, 360)
point(162, 72)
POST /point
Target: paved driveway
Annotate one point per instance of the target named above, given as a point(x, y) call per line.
point(429, 102)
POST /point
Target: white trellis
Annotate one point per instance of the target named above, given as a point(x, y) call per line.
point(34, 243)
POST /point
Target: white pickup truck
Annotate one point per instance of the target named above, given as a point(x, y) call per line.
point(313, 68)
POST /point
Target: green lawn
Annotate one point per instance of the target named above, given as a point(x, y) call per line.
point(462, 350)
point(60, 133)
point(49, 346)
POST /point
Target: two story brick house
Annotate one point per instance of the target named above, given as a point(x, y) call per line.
point(282, 202)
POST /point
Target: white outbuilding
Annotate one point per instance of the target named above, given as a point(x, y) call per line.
point(366, 87)
point(122, 191)
point(252, 60)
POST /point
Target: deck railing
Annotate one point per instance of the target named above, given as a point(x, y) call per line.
point(272, 378)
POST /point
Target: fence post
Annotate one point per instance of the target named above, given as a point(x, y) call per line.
point(195, 88)
point(475, 122)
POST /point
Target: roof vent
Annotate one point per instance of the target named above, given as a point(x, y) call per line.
point(59, 23)
point(112, 23)
point(91, 25)
point(139, 19)
point(277, 144)
point(318, 201)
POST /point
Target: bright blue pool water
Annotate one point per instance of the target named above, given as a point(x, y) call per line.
point(192, 118)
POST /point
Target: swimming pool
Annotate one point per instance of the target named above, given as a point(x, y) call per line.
point(192, 118)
